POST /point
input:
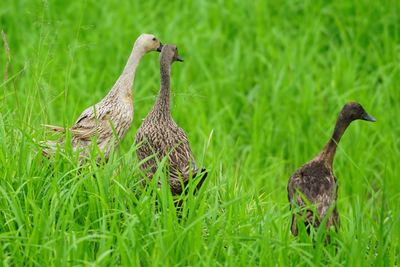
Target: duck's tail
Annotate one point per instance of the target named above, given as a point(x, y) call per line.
point(54, 128)
point(202, 175)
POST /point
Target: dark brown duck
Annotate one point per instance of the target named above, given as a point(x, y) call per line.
point(159, 136)
point(315, 180)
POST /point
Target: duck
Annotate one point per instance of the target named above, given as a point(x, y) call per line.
point(160, 137)
point(313, 187)
point(108, 121)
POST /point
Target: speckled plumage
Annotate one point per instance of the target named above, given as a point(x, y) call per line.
point(315, 184)
point(109, 120)
point(159, 136)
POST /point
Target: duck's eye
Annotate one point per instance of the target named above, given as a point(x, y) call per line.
point(154, 39)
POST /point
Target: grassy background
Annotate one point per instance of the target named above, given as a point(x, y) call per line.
point(258, 95)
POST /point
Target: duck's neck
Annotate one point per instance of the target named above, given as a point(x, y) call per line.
point(163, 102)
point(328, 152)
point(122, 87)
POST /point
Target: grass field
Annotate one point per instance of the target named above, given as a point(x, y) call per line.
point(258, 95)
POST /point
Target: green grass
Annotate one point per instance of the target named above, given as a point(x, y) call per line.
point(258, 95)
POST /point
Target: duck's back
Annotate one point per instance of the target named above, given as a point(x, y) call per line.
point(108, 120)
point(317, 183)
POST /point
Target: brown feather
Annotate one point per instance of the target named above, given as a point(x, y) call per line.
point(315, 182)
point(159, 135)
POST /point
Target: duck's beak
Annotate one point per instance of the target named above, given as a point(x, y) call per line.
point(160, 47)
point(179, 58)
point(368, 117)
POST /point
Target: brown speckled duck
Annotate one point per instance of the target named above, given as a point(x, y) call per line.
point(315, 180)
point(109, 120)
point(159, 136)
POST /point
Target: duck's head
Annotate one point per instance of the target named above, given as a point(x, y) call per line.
point(354, 111)
point(149, 42)
point(170, 53)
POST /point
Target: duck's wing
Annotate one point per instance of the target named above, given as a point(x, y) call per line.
point(202, 175)
point(150, 147)
point(90, 123)
point(158, 141)
point(180, 155)
point(315, 181)
point(182, 166)
point(179, 185)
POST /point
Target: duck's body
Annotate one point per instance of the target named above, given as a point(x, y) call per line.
point(314, 187)
point(108, 121)
point(159, 136)
point(317, 183)
point(162, 137)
